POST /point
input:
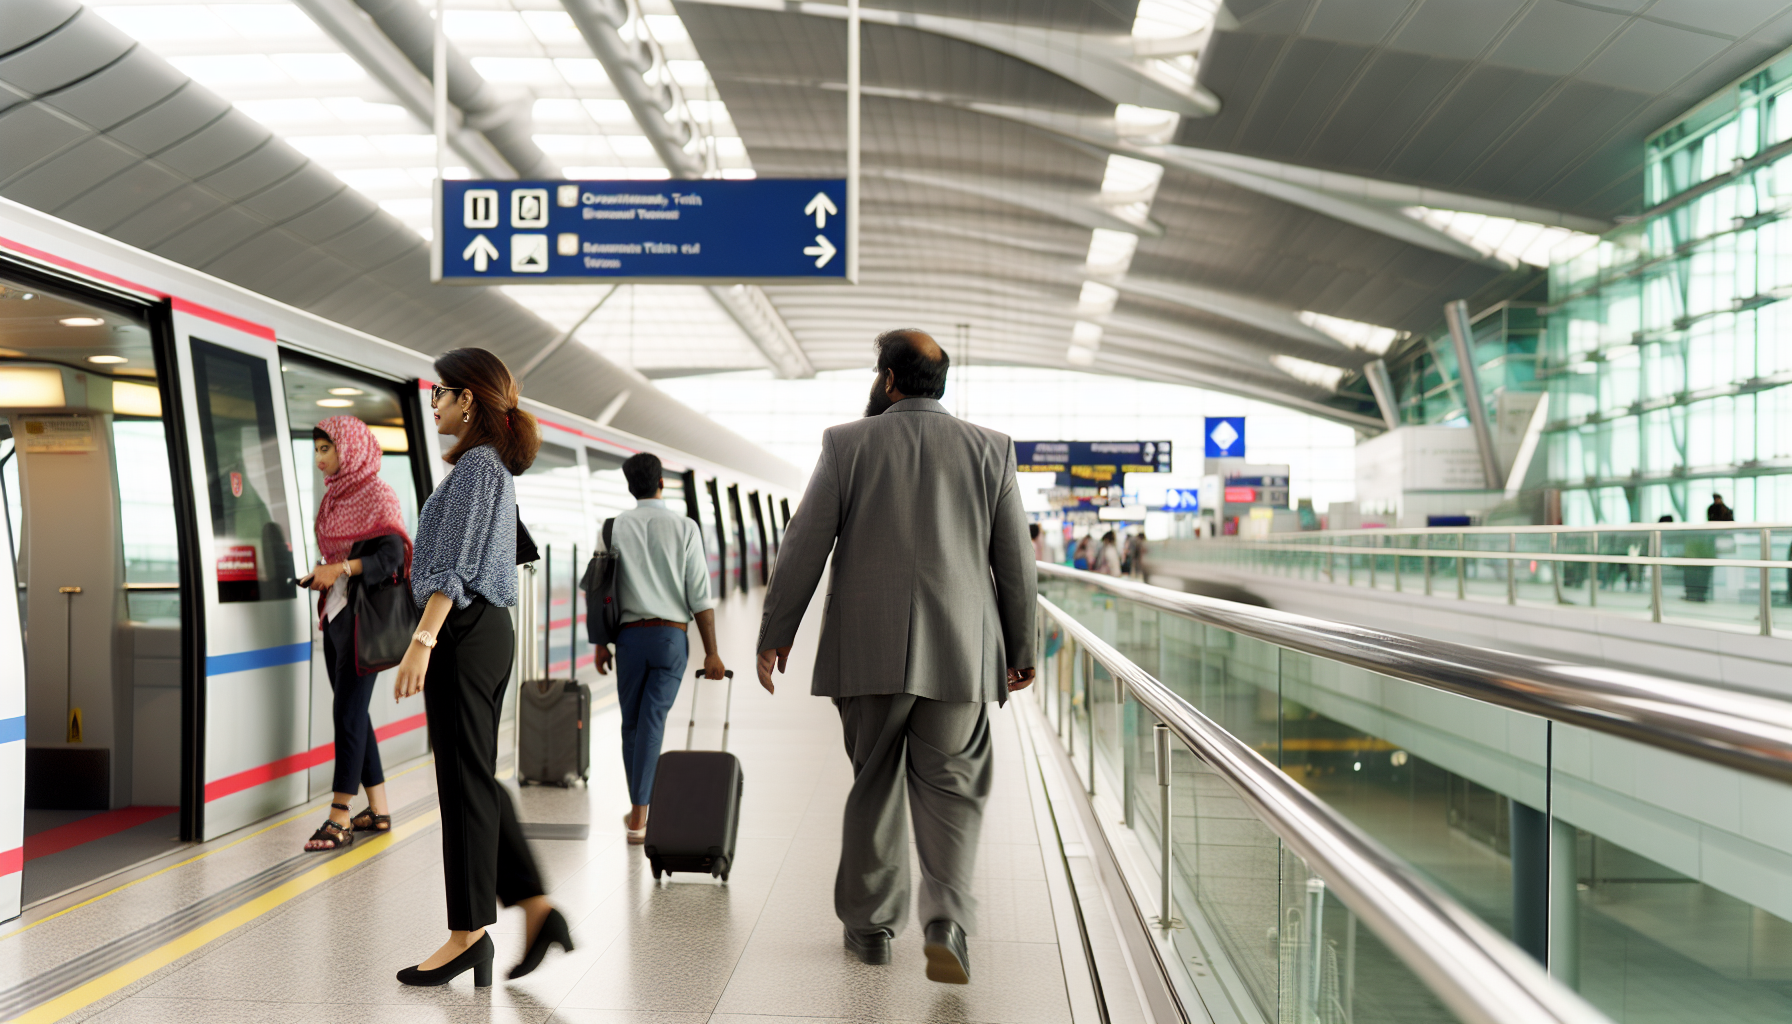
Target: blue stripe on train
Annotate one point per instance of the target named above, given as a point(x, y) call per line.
point(267, 657)
point(12, 729)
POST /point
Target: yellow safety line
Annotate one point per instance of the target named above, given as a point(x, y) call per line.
point(201, 856)
point(147, 964)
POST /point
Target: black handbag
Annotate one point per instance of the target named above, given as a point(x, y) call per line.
point(385, 620)
point(602, 585)
point(526, 551)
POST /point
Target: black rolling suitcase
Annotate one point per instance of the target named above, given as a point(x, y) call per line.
point(554, 741)
point(696, 804)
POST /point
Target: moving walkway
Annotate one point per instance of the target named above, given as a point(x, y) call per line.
point(1366, 825)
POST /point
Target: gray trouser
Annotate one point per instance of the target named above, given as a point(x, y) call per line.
point(942, 750)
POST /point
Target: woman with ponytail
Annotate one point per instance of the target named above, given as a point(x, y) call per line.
point(360, 532)
point(464, 577)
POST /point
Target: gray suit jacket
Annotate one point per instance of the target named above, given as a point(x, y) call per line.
point(933, 589)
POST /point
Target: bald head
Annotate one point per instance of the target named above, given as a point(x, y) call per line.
point(912, 363)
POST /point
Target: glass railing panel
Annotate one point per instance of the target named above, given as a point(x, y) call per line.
point(1574, 581)
point(1484, 579)
point(1779, 582)
point(1535, 579)
point(1681, 884)
point(1432, 776)
point(1617, 589)
point(1711, 595)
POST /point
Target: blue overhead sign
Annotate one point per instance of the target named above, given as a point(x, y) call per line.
point(707, 231)
point(1225, 437)
point(1181, 499)
point(1098, 461)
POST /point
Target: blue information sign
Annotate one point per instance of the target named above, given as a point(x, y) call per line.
point(1225, 437)
point(1100, 461)
point(1181, 499)
point(707, 231)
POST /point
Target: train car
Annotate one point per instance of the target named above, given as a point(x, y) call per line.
point(161, 675)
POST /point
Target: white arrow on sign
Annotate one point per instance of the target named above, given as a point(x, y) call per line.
point(823, 208)
point(823, 251)
point(481, 251)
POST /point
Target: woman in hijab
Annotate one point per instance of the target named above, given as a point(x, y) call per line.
point(360, 532)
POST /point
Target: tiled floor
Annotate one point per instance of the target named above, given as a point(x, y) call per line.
point(764, 948)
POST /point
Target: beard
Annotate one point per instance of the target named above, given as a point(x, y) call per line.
point(879, 401)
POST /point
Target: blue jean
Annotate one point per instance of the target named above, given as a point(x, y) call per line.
point(650, 663)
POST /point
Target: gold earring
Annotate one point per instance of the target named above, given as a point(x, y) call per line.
point(464, 418)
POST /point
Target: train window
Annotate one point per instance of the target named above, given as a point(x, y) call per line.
point(740, 537)
point(552, 499)
point(721, 571)
point(243, 477)
point(316, 391)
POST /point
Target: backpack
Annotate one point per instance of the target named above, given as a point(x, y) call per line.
point(602, 585)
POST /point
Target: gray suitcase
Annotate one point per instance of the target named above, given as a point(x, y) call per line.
point(554, 738)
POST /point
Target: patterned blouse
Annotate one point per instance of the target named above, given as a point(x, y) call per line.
point(466, 534)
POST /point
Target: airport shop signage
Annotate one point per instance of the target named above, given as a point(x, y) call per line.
point(1083, 463)
point(705, 231)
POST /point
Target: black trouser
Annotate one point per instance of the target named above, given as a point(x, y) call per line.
point(357, 749)
point(484, 855)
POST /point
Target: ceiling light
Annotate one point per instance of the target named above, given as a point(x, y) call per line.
point(335, 403)
point(136, 399)
point(31, 387)
point(391, 439)
point(1308, 372)
point(1085, 334)
point(105, 360)
point(347, 391)
point(1079, 356)
point(1097, 299)
point(1110, 252)
point(82, 321)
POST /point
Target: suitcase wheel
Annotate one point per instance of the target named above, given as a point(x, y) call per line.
point(656, 873)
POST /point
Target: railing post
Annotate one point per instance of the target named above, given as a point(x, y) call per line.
point(1428, 567)
point(1555, 568)
point(1511, 569)
point(1089, 712)
point(1166, 918)
point(1331, 566)
point(1461, 567)
point(1374, 558)
point(1593, 575)
point(1655, 576)
point(1766, 584)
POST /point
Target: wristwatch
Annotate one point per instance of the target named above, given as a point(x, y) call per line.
point(424, 637)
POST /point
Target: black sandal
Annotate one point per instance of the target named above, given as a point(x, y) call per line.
point(330, 832)
point(367, 821)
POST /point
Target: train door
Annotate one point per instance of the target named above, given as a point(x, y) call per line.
point(724, 568)
point(315, 390)
point(91, 700)
point(762, 562)
point(255, 716)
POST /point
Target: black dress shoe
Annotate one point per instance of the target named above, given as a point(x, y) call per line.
point(478, 957)
point(870, 949)
point(553, 929)
point(947, 959)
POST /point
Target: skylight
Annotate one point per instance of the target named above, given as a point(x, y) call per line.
point(1173, 19)
point(1110, 252)
point(1308, 372)
point(280, 68)
point(1353, 333)
point(1514, 241)
point(1096, 300)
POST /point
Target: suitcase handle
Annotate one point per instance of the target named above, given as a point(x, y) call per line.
point(690, 731)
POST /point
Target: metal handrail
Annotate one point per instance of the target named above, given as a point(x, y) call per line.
point(1745, 731)
point(1474, 970)
point(1448, 531)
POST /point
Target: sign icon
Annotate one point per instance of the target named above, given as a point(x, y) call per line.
point(481, 251)
point(529, 208)
point(823, 250)
point(822, 207)
point(480, 208)
point(1181, 499)
point(566, 243)
point(236, 485)
point(567, 195)
point(1225, 437)
point(529, 253)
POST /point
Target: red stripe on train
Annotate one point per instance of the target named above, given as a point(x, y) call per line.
point(298, 762)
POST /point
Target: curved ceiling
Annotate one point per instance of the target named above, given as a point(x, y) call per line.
point(1239, 196)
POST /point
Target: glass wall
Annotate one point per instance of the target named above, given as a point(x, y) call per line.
point(1668, 356)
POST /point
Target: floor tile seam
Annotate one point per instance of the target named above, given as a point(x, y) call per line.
point(118, 954)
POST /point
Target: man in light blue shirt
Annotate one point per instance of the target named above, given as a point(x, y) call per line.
point(664, 585)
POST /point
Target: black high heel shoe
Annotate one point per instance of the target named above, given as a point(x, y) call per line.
point(478, 956)
point(553, 929)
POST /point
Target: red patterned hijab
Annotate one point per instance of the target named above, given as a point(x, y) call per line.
point(357, 504)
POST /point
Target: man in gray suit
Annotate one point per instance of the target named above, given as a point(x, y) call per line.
point(929, 617)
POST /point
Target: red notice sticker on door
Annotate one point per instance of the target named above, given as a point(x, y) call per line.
point(236, 485)
point(237, 563)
